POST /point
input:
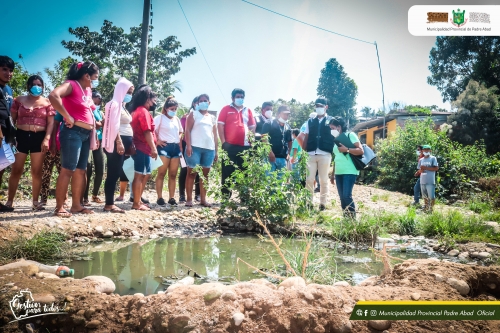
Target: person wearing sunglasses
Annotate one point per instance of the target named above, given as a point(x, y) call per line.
point(73, 100)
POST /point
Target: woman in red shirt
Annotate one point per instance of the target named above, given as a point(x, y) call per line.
point(73, 100)
point(34, 118)
point(143, 101)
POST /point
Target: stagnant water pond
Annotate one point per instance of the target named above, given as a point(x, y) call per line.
point(148, 267)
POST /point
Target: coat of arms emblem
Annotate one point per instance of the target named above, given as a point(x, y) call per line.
point(458, 19)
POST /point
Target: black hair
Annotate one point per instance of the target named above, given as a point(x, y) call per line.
point(266, 104)
point(337, 121)
point(7, 62)
point(141, 96)
point(321, 100)
point(237, 91)
point(32, 79)
point(195, 101)
point(170, 102)
point(79, 69)
point(296, 132)
point(420, 147)
point(204, 95)
point(283, 107)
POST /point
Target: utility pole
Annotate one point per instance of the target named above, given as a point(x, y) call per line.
point(144, 42)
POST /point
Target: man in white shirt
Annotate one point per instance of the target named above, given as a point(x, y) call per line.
point(317, 140)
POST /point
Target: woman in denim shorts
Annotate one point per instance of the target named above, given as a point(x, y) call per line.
point(169, 132)
point(201, 147)
point(144, 139)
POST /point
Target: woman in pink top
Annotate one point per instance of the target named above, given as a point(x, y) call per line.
point(34, 119)
point(73, 100)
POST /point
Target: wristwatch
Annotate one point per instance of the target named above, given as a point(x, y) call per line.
point(347, 150)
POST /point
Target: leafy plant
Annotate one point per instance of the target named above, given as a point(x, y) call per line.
point(276, 196)
point(407, 223)
point(43, 246)
point(459, 166)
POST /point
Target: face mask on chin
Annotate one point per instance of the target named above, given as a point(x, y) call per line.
point(281, 120)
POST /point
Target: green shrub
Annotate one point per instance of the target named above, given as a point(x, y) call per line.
point(276, 196)
point(407, 223)
point(456, 225)
point(459, 166)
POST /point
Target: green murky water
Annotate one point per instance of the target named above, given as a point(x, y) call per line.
point(136, 267)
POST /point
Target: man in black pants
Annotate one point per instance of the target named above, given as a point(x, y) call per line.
point(234, 124)
point(6, 99)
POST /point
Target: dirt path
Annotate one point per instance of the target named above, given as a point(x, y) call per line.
point(262, 307)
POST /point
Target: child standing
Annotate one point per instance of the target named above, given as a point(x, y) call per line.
point(428, 166)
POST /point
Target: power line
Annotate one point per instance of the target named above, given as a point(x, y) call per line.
point(338, 34)
point(311, 25)
point(203, 54)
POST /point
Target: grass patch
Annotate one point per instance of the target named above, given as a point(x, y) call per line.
point(42, 247)
point(479, 206)
point(458, 226)
point(375, 197)
point(385, 197)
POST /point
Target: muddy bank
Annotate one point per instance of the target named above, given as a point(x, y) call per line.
point(255, 306)
point(180, 221)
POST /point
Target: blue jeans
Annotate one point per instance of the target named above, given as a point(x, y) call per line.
point(200, 156)
point(416, 191)
point(345, 184)
point(277, 165)
point(75, 147)
point(142, 163)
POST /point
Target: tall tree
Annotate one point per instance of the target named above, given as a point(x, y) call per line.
point(19, 80)
point(455, 60)
point(57, 75)
point(117, 54)
point(366, 112)
point(477, 117)
point(340, 90)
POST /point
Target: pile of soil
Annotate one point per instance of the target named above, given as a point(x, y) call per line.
point(256, 306)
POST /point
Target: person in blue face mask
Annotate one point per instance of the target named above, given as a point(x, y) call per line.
point(234, 125)
point(169, 131)
point(33, 115)
point(97, 162)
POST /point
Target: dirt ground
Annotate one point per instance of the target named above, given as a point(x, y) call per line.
point(262, 307)
point(180, 221)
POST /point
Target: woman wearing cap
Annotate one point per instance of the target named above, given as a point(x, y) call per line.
point(97, 155)
point(201, 147)
point(73, 100)
point(344, 172)
point(34, 117)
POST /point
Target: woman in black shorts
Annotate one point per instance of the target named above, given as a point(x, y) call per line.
point(34, 118)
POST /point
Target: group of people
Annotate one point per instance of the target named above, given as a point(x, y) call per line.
point(64, 128)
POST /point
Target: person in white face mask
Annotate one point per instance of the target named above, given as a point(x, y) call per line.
point(428, 166)
point(265, 116)
point(416, 188)
point(279, 134)
point(317, 140)
point(344, 172)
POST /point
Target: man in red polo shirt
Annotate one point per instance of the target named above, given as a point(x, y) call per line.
point(234, 124)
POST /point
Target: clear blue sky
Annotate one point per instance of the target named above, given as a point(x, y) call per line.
point(269, 56)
